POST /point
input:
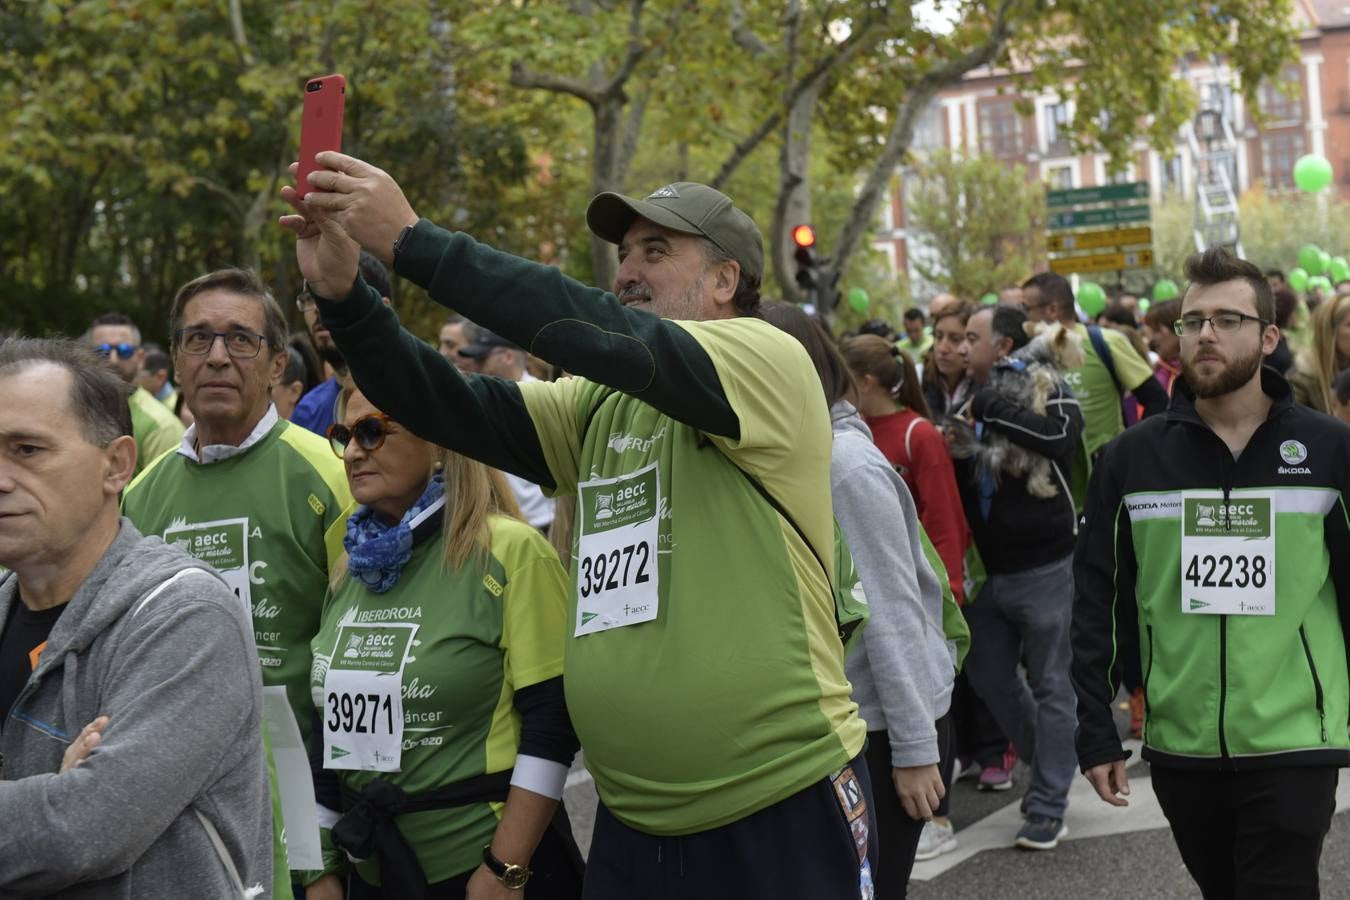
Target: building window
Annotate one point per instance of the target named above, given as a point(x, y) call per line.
point(1282, 99)
point(1218, 96)
point(1279, 152)
point(1124, 176)
point(1169, 169)
point(1057, 129)
point(928, 128)
point(1000, 128)
point(1059, 177)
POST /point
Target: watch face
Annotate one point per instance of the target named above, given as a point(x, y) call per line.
point(515, 877)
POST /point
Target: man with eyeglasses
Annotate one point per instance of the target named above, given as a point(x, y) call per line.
point(263, 501)
point(1218, 532)
point(317, 409)
point(156, 429)
point(1111, 368)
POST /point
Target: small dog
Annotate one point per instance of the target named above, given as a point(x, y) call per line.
point(1027, 378)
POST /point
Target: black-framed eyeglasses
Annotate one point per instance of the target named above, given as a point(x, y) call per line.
point(239, 342)
point(123, 350)
point(369, 432)
point(1222, 323)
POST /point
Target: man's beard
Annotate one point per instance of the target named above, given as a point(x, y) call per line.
point(1234, 375)
point(687, 307)
point(329, 353)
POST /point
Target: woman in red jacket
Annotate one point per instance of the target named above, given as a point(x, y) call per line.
point(892, 404)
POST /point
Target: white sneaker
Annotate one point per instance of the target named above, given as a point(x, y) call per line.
point(935, 840)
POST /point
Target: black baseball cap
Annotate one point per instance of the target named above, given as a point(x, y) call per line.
point(485, 342)
point(687, 207)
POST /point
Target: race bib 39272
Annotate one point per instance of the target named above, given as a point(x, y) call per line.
point(616, 572)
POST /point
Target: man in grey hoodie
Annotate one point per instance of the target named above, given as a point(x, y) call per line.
point(101, 625)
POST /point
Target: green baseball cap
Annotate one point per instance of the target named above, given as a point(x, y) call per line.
point(687, 207)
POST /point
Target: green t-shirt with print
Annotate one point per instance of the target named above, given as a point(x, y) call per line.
point(271, 521)
point(1096, 392)
point(481, 632)
point(729, 695)
point(154, 426)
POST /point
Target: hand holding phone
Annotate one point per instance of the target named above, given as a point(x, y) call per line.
point(321, 123)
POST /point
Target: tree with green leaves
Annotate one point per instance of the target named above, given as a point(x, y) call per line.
point(976, 224)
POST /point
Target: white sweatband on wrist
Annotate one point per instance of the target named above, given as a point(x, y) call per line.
point(540, 776)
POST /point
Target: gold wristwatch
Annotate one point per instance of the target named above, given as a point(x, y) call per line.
point(509, 874)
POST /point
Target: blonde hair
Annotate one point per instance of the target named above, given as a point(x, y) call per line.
point(1320, 360)
point(474, 494)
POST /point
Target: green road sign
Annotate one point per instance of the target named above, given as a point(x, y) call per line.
point(1135, 190)
point(1081, 218)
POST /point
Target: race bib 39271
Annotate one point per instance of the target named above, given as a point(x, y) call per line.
point(363, 697)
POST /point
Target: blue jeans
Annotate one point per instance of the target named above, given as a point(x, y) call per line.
point(1024, 617)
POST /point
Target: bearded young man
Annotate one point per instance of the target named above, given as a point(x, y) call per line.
point(1219, 531)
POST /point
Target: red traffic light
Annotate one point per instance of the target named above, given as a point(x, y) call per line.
point(804, 236)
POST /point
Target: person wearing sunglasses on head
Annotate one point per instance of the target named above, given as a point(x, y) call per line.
point(438, 680)
point(156, 429)
point(263, 501)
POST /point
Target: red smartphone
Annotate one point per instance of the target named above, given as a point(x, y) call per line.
point(321, 124)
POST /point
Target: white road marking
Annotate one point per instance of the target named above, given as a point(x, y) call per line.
point(1087, 817)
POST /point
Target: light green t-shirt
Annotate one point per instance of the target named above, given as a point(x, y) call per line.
point(482, 632)
point(917, 351)
point(1096, 392)
point(733, 696)
point(271, 521)
point(156, 429)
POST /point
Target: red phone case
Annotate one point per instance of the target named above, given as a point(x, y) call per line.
point(321, 125)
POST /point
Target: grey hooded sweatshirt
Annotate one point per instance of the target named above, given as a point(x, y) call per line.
point(903, 669)
point(166, 650)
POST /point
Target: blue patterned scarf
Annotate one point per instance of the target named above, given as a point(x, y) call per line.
point(378, 552)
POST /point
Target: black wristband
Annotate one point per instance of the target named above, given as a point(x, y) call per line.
point(398, 243)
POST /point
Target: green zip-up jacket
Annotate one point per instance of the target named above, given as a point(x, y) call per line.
point(1222, 692)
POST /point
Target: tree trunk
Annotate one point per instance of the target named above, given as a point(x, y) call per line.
point(794, 192)
point(606, 141)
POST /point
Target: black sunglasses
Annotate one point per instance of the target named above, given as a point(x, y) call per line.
point(124, 350)
point(369, 433)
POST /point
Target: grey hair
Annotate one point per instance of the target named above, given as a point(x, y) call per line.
point(746, 298)
point(237, 281)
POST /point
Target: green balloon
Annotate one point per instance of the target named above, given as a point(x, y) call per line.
point(1312, 173)
point(1164, 290)
point(1320, 282)
point(989, 299)
point(1091, 298)
point(1340, 269)
point(1310, 259)
point(1298, 279)
point(858, 300)
point(1325, 257)
point(1143, 305)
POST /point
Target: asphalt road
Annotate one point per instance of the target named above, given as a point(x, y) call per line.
point(1120, 865)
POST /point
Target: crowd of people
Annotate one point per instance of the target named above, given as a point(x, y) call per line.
point(782, 589)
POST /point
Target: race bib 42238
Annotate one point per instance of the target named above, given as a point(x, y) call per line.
point(1227, 554)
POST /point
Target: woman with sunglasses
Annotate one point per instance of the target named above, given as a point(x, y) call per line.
point(438, 679)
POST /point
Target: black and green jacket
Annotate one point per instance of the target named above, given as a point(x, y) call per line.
point(1222, 692)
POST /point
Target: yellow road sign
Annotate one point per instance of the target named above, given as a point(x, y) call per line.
point(1091, 240)
point(1102, 262)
